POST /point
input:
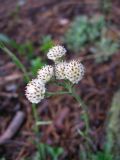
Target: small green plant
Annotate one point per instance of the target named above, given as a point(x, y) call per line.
point(48, 151)
point(105, 48)
point(90, 33)
point(84, 31)
point(55, 152)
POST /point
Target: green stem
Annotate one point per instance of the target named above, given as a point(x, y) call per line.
point(84, 107)
point(71, 89)
point(56, 93)
point(85, 117)
point(36, 129)
point(35, 118)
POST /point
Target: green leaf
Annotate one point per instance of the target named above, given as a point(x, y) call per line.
point(47, 150)
point(47, 43)
point(55, 152)
point(4, 38)
point(35, 65)
point(102, 156)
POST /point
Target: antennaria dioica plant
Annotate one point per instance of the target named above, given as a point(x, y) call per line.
point(69, 72)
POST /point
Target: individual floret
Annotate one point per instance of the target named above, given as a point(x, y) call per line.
point(56, 52)
point(74, 71)
point(35, 91)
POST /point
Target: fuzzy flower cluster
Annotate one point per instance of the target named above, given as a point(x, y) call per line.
point(56, 52)
point(35, 91)
point(72, 71)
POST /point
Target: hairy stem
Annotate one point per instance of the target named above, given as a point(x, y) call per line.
point(84, 107)
point(72, 92)
point(36, 128)
point(48, 94)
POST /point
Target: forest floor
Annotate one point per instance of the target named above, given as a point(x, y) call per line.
point(29, 22)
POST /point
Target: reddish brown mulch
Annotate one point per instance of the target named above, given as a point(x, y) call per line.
point(35, 19)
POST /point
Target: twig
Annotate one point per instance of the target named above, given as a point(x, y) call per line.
point(13, 127)
point(9, 78)
point(8, 95)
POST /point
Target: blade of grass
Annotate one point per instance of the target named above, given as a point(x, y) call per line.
point(15, 60)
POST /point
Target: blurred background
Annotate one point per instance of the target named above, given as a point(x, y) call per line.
point(89, 30)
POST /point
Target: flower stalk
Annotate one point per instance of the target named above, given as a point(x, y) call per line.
point(84, 108)
point(69, 86)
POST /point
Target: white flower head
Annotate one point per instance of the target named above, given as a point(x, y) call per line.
point(46, 73)
point(56, 52)
point(74, 71)
point(60, 70)
point(35, 91)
